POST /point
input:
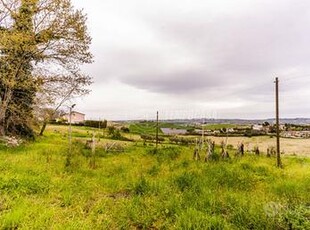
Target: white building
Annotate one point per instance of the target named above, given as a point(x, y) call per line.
point(172, 131)
point(258, 127)
point(76, 117)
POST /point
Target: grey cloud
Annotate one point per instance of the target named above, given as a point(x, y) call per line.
point(183, 82)
point(232, 48)
point(247, 46)
point(232, 54)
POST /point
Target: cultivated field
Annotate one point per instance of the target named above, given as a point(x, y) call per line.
point(288, 146)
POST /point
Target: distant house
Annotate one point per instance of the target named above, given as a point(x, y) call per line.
point(258, 127)
point(169, 131)
point(230, 130)
point(76, 117)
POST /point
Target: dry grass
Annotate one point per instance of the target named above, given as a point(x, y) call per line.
point(288, 146)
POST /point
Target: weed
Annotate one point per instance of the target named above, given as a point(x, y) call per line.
point(141, 187)
point(297, 218)
point(154, 170)
point(187, 181)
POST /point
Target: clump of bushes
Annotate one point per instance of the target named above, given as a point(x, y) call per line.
point(115, 134)
point(181, 140)
point(96, 124)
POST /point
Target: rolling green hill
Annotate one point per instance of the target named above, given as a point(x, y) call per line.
point(150, 127)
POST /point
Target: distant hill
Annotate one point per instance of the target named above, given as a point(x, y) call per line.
point(296, 121)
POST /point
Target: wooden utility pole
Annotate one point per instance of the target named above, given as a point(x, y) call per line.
point(99, 127)
point(157, 127)
point(68, 161)
point(70, 129)
point(92, 162)
point(202, 134)
point(277, 124)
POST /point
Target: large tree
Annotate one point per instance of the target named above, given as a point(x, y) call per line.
point(42, 45)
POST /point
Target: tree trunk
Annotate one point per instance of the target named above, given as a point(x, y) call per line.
point(2, 119)
point(4, 102)
point(43, 127)
point(2, 131)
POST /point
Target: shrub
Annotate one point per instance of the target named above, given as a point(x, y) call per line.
point(125, 129)
point(96, 124)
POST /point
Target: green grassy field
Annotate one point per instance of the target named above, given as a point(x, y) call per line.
point(221, 126)
point(150, 127)
point(143, 128)
point(137, 189)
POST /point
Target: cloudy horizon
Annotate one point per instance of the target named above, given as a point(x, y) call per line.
point(187, 59)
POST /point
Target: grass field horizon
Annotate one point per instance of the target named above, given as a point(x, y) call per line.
point(137, 189)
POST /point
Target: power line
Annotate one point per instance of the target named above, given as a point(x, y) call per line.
point(294, 77)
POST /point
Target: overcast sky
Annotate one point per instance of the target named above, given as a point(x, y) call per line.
point(197, 58)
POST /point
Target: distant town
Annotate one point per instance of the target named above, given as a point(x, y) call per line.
point(289, 128)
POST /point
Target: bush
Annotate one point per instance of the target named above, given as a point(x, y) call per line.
point(96, 124)
point(115, 134)
point(181, 140)
point(125, 129)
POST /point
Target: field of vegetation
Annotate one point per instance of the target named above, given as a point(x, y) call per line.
point(289, 146)
point(148, 127)
point(222, 126)
point(138, 188)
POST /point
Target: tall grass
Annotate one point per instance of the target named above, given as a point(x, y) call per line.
point(142, 189)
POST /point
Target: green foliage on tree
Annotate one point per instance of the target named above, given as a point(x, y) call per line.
point(42, 45)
